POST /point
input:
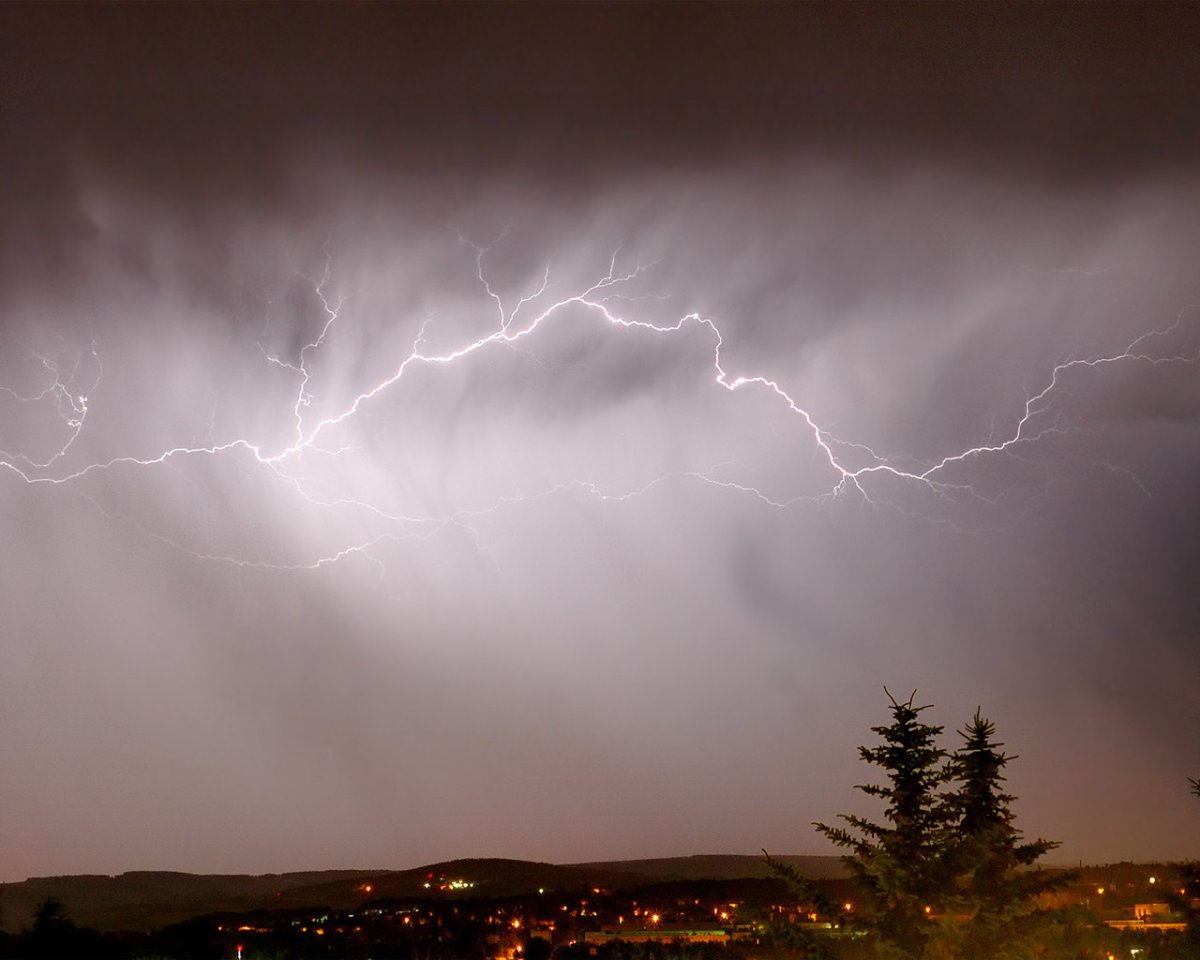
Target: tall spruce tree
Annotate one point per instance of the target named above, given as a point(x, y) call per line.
point(900, 864)
point(994, 889)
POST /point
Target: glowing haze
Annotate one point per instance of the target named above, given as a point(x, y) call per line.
point(430, 432)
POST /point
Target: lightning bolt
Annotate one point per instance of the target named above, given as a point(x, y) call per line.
point(854, 469)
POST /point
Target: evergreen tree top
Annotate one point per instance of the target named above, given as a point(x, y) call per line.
point(945, 847)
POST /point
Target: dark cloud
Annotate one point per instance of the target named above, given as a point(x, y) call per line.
point(587, 602)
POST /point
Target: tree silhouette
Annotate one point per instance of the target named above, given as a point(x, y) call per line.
point(54, 935)
point(945, 872)
point(900, 864)
point(992, 912)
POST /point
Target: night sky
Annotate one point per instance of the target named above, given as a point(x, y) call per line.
point(543, 431)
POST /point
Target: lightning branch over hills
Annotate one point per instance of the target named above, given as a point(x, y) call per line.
point(67, 380)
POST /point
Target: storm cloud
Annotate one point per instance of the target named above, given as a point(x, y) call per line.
point(564, 595)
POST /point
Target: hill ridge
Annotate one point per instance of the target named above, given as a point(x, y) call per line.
point(142, 899)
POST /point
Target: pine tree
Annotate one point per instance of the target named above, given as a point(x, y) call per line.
point(994, 890)
point(900, 864)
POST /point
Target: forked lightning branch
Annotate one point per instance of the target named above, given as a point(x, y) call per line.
point(70, 384)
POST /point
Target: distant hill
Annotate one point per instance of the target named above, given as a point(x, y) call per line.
point(488, 878)
point(719, 867)
point(144, 900)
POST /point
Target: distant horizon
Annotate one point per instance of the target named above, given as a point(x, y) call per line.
point(1049, 862)
point(418, 866)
